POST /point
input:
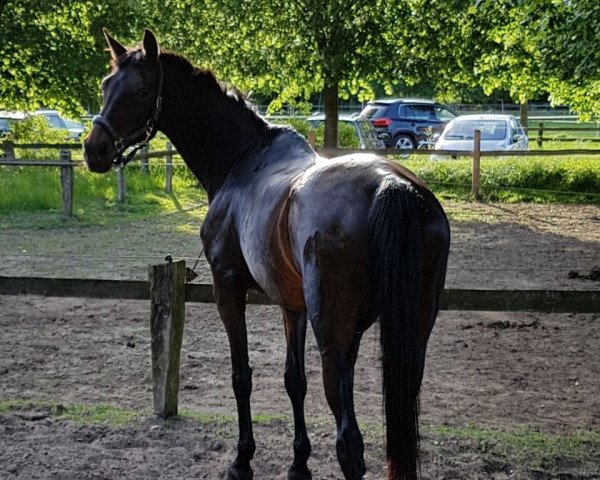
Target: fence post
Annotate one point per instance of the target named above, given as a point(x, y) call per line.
point(169, 169)
point(9, 150)
point(167, 317)
point(476, 164)
point(540, 137)
point(66, 182)
point(312, 138)
point(144, 159)
point(121, 185)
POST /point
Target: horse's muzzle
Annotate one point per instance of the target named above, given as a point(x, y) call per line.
point(98, 151)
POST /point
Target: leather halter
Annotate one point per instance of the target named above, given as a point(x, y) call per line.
point(147, 131)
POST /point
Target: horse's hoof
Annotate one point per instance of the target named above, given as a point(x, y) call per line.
point(236, 473)
point(299, 473)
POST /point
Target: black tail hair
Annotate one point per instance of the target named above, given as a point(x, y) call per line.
point(397, 251)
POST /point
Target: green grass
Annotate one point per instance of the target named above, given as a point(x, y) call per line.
point(32, 196)
point(85, 414)
point(525, 446)
point(524, 179)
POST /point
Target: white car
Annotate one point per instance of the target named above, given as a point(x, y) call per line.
point(498, 132)
point(56, 120)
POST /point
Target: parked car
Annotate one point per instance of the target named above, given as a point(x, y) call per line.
point(498, 132)
point(7, 119)
point(407, 123)
point(73, 129)
point(4, 127)
point(56, 120)
point(365, 132)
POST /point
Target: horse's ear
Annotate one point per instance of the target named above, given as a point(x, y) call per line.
point(116, 49)
point(150, 46)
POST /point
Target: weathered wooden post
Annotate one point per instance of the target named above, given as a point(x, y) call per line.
point(312, 138)
point(144, 159)
point(169, 169)
point(476, 164)
point(540, 137)
point(167, 314)
point(66, 181)
point(121, 185)
point(9, 150)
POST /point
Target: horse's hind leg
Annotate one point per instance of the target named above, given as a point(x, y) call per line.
point(338, 380)
point(339, 315)
point(295, 384)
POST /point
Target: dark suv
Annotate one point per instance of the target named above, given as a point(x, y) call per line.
point(407, 123)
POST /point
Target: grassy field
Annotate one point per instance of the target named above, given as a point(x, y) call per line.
point(36, 190)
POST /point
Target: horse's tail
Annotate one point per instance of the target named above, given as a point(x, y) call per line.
point(396, 231)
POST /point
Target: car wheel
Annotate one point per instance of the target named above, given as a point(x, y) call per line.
point(404, 142)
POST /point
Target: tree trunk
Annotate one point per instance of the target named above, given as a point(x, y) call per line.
point(523, 115)
point(330, 99)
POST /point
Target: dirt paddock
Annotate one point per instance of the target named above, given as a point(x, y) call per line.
point(505, 395)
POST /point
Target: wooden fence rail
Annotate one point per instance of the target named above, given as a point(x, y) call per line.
point(556, 301)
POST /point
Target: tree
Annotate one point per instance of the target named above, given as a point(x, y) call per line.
point(536, 47)
point(294, 48)
point(52, 51)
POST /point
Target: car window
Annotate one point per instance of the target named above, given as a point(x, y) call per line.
point(520, 129)
point(55, 121)
point(417, 112)
point(513, 129)
point(490, 130)
point(443, 113)
point(4, 125)
point(373, 111)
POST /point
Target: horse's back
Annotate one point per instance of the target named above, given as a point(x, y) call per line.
point(333, 198)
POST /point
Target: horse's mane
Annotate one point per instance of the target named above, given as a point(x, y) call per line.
point(204, 77)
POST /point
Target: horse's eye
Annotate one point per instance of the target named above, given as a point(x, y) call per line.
point(143, 91)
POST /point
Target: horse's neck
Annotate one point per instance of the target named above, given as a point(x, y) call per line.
point(210, 131)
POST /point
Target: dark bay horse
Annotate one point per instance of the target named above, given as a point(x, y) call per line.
point(340, 243)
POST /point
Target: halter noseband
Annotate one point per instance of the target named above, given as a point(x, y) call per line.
point(147, 131)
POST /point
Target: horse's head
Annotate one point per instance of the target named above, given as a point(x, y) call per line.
point(131, 103)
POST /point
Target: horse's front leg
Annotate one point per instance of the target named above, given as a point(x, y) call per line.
point(230, 297)
point(295, 384)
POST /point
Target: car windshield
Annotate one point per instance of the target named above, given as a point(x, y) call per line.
point(490, 130)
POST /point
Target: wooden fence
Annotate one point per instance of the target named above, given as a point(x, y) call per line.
point(551, 301)
point(168, 291)
point(67, 164)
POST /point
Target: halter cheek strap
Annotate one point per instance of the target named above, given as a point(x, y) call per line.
point(145, 132)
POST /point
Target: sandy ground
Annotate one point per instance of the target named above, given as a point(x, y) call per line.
point(506, 371)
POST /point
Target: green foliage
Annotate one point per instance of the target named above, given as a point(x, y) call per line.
point(51, 51)
point(346, 133)
point(36, 129)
